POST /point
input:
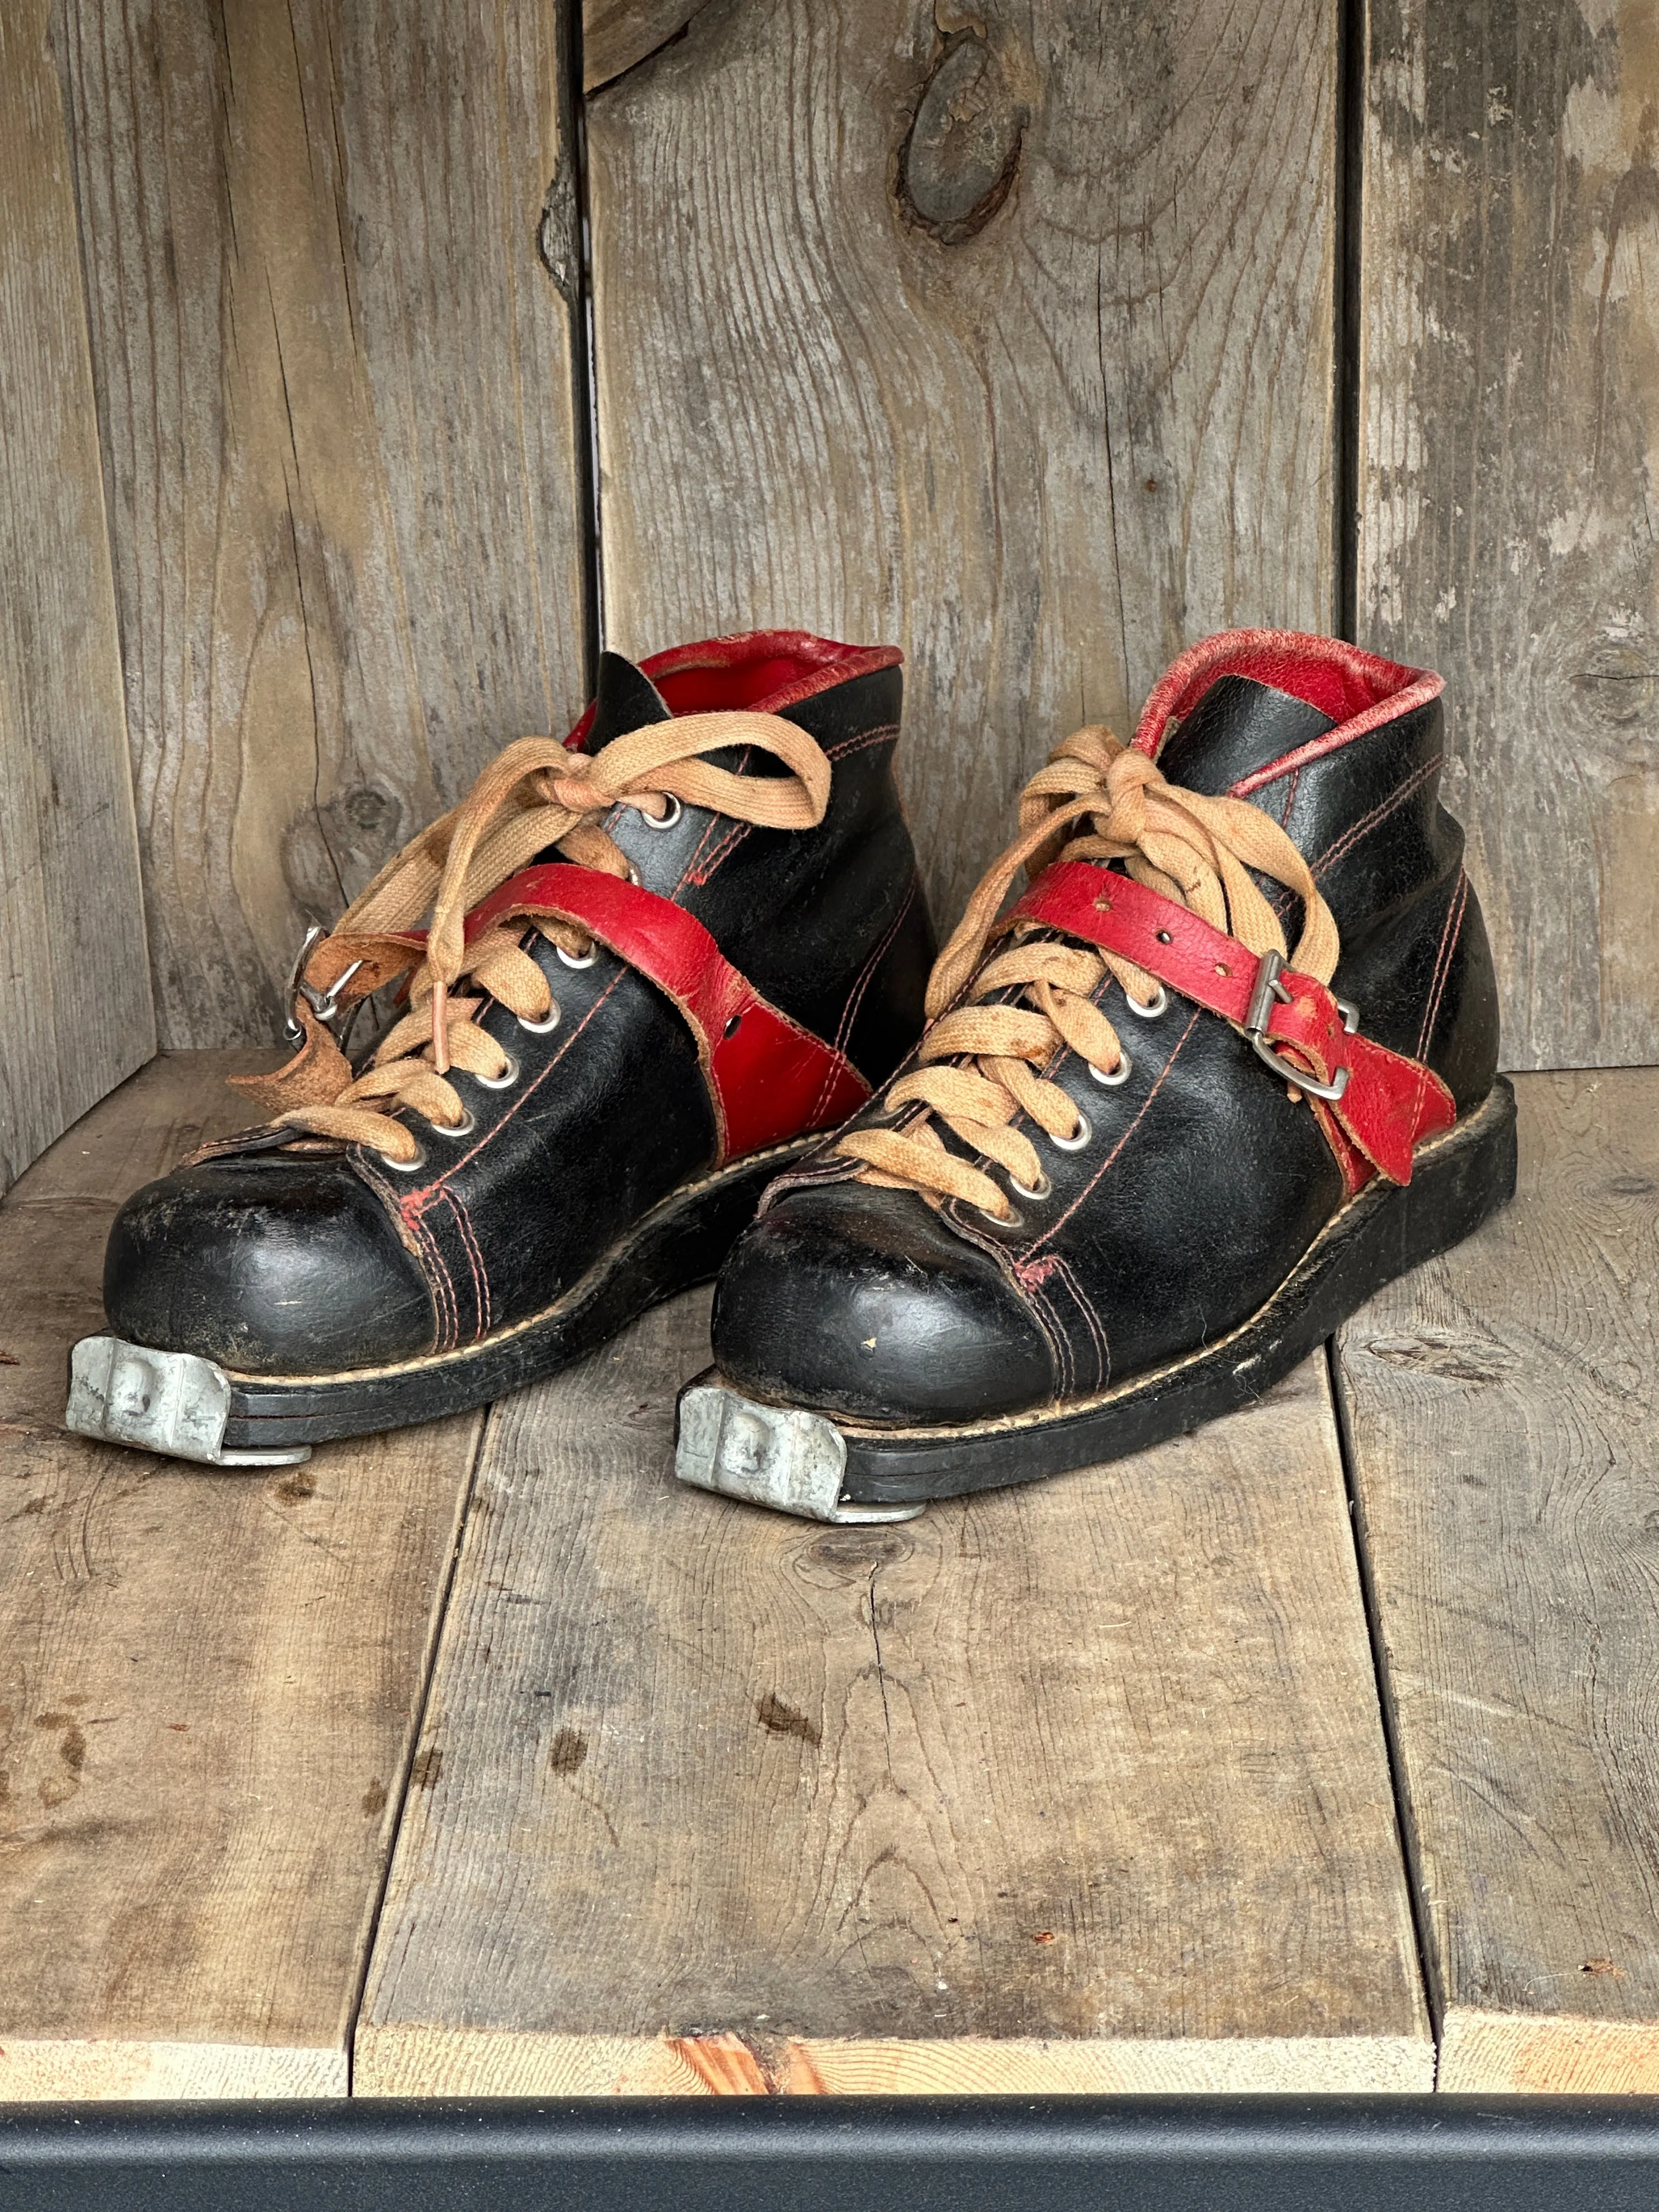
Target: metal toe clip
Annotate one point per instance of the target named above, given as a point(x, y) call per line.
point(1260, 1012)
point(784, 1457)
point(325, 1005)
point(171, 1402)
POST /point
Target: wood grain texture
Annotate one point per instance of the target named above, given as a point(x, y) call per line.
point(619, 34)
point(75, 997)
point(1077, 1788)
point(1008, 337)
point(208, 1686)
point(1509, 469)
point(54, 1223)
point(330, 250)
point(1502, 1410)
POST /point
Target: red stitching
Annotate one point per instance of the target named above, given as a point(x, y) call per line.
point(449, 1332)
point(687, 874)
point(850, 1013)
point(488, 1311)
point(698, 872)
point(1449, 930)
point(1103, 1352)
point(1396, 798)
point(696, 869)
point(1055, 1227)
point(865, 737)
point(470, 1249)
point(1066, 1378)
point(530, 1091)
point(1034, 1275)
point(699, 869)
point(394, 1204)
point(1047, 1321)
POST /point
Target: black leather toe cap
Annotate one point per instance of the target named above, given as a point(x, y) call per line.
point(858, 1301)
point(272, 1265)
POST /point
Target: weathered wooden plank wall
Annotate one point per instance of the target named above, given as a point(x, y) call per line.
point(330, 326)
point(1007, 334)
point(74, 1003)
point(1510, 467)
point(1010, 335)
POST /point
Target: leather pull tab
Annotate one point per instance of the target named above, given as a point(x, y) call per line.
point(316, 1075)
point(624, 699)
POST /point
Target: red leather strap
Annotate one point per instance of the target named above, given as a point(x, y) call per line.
point(769, 1079)
point(1390, 1102)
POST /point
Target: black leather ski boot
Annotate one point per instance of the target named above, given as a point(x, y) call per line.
point(660, 956)
point(1226, 1067)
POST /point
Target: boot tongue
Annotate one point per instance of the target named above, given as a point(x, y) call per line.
point(1236, 727)
point(624, 699)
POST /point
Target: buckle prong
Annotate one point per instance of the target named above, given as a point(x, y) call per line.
point(325, 1005)
point(1260, 1012)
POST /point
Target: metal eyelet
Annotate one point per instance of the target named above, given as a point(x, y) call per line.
point(464, 1128)
point(1043, 1188)
point(578, 960)
point(1119, 1074)
point(550, 1021)
point(1153, 1007)
point(504, 1081)
point(1074, 1144)
point(670, 814)
point(1012, 1219)
point(405, 1167)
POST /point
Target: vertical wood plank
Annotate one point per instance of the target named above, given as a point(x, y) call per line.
point(1510, 467)
point(1075, 1787)
point(334, 367)
point(75, 993)
point(1004, 333)
point(1501, 1409)
point(209, 1683)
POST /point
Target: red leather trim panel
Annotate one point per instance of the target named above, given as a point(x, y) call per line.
point(765, 669)
point(1390, 1103)
point(768, 1079)
point(1357, 689)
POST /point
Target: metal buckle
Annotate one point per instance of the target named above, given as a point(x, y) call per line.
point(325, 1005)
point(1260, 1012)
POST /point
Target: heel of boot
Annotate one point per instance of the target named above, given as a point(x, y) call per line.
point(1457, 1182)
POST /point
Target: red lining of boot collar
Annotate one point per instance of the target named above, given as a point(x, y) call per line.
point(765, 669)
point(1361, 691)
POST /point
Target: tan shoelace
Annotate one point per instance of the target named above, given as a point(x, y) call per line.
point(534, 795)
point(1192, 848)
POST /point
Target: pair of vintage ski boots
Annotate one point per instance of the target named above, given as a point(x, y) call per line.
point(1158, 1118)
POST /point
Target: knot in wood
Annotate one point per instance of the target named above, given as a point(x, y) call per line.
point(961, 155)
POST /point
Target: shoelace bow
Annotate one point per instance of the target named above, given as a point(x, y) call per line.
point(535, 795)
point(980, 1061)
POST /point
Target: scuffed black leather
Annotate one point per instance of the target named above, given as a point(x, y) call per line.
point(244, 1261)
point(1202, 1183)
point(323, 1260)
point(864, 1303)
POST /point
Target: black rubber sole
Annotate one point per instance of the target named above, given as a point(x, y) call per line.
point(1458, 1180)
point(678, 1244)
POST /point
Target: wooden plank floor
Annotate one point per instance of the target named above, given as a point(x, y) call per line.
point(208, 1685)
point(1082, 1787)
point(1502, 1404)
